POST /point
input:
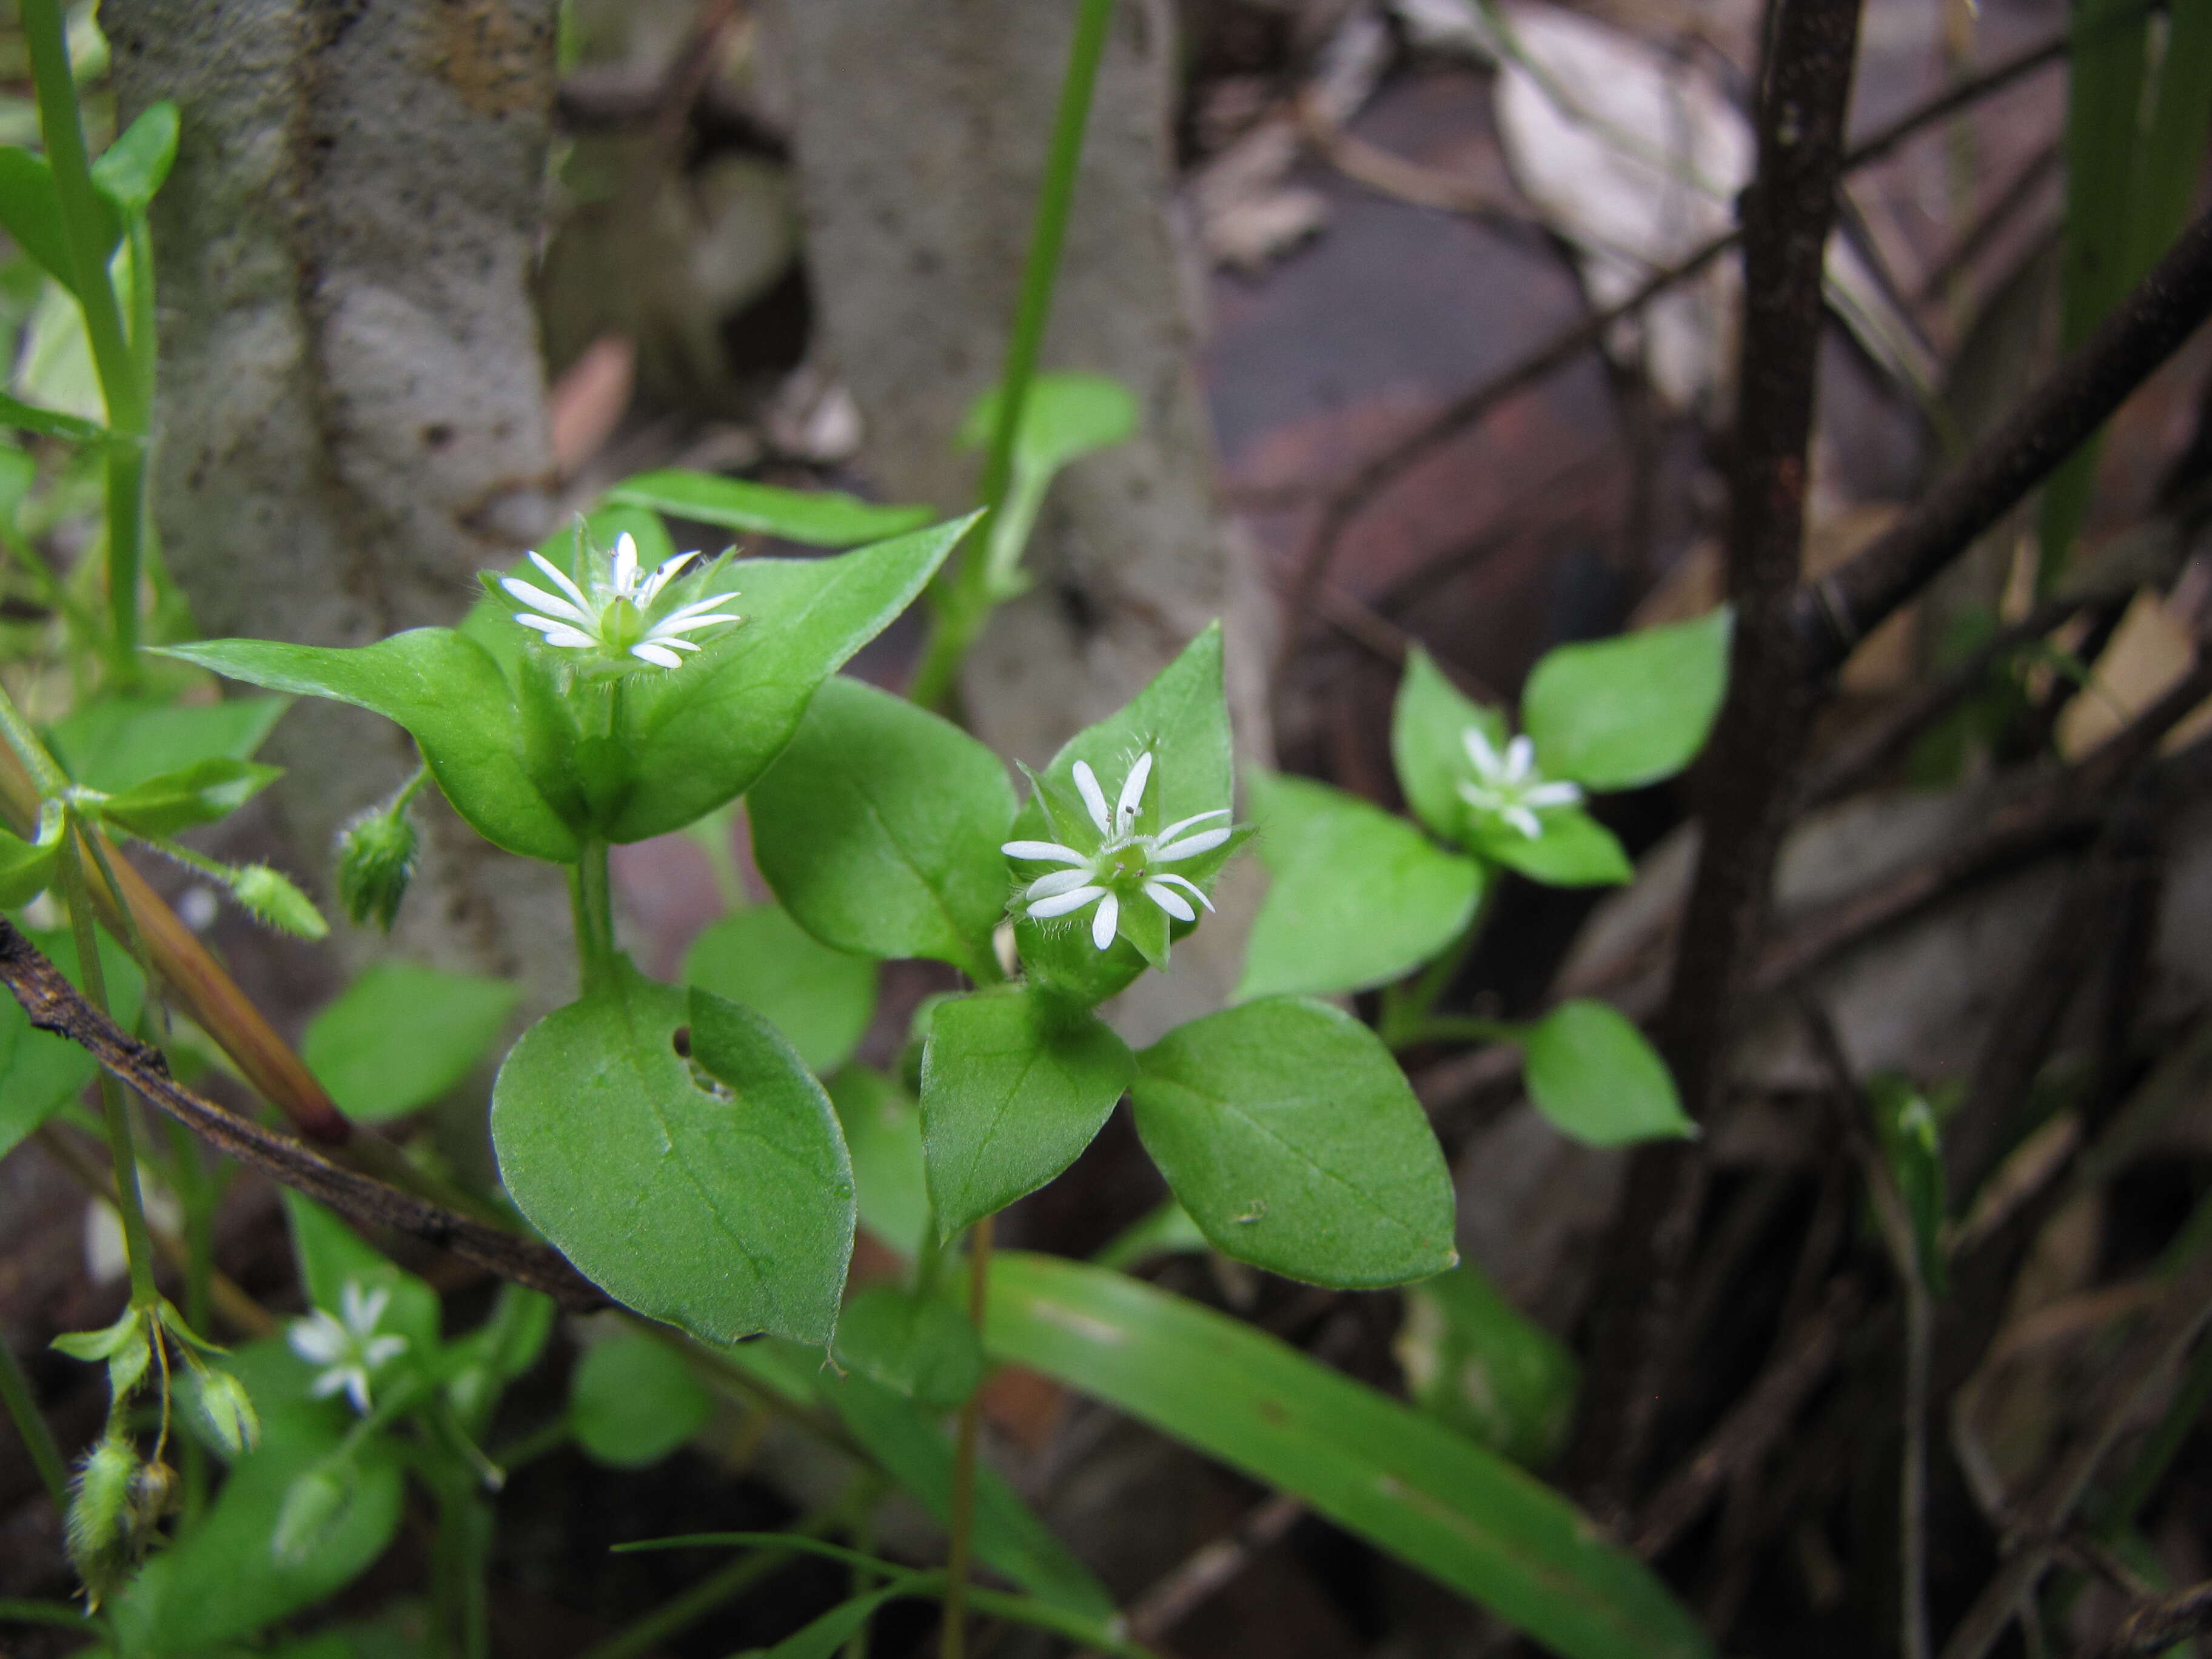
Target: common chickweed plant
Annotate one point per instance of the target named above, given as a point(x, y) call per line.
point(705, 1150)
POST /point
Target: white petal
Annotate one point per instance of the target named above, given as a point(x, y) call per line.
point(1094, 798)
point(1190, 888)
point(660, 578)
point(683, 624)
point(1170, 900)
point(1191, 845)
point(383, 1348)
point(1553, 794)
point(330, 1383)
point(560, 634)
point(1181, 824)
point(1480, 797)
point(1524, 820)
point(1049, 852)
point(320, 1340)
point(1060, 881)
point(1133, 791)
point(356, 1387)
point(701, 607)
point(363, 1308)
point(1104, 924)
point(1063, 903)
point(625, 566)
point(539, 599)
point(561, 580)
point(1520, 757)
point(675, 644)
point(1477, 744)
point(660, 655)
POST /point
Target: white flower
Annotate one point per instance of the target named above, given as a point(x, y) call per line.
point(1125, 864)
point(347, 1349)
point(616, 615)
point(1508, 786)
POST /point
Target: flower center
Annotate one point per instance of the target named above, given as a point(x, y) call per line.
point(1127, 862)
point(622, 625)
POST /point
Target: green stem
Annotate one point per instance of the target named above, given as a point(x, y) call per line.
point(85, 219)
point(591, 896)
point(37, 1439)
point(464, 1544)
point(49, 778)
point(965, 600)
point(952, 1642)
point(694, 1604)
point(1405, 1005)
point(1457, 1028)
point(196, 1195)
point(137, 1240)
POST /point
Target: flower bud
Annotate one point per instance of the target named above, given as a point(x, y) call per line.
point(218, 1404)
point(153, 1491)
point(100, 1521)
point(275, 901)
point(376, 860)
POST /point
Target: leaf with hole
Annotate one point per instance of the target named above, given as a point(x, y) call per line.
point(712, 1192)
point(879, 829)
point(1295, 1142)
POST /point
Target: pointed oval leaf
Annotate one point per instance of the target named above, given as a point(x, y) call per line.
point(1295, 1144)
point(1428, 732)
point(921, 1346)
point(1432, 1497)
point(202, 792)
point(821, 998)
point(31, 212)
point(450, 696)
point(702, 734)
point(1015, 1084)
point(1575, 849)
point(122, 741)
point(879, 829)
point(1626, 712)
point(813, 518)
point(1064, 414)
point(632, 1401)
point(401, 1034)
point(129, 170)
point(1591, 1073)
point(719, 1199)
point(883, 1128)
point(1360, 897)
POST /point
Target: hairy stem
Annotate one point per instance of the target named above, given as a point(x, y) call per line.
point(592, 898)
point(963, 601)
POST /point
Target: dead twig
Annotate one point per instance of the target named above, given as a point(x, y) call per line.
point(1210, 1568)
point(53, 1004)
point(2158, 1626)
point(1787, 214)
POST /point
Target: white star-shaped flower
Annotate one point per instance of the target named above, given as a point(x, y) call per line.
point(349, 1349)
point(1508, 787)
point(1124, 866)
point(612, 612)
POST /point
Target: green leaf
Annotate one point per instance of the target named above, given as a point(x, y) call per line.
point(1412, 1488)
point(1015, 1084)
point(883, 1128)
point(825, 1637)
point(1360, 897)
point(1626, 712)
point(448, 692)
point(50, 422)
point(821, 998)
point(222, 1581)
point(26, 867)
point(31, 211)
point(1428, 727)
point(1474, 1362)
point(1165, 1230)
point(701, 734)
point(905, 1439)
point(879, 829)
point(921, 1346)
point(41, 1072)
point(1591, 1073)
point(1064, 416)
point(714, 1193)
point(401, 1034)
point(202, 792)
point(1295, 1144)
point(121, 742)
point(1911, 1145)
point(632, 1401)
point(1575, 849)
point(814, 518)
point(1183, 718)
point(129, 170)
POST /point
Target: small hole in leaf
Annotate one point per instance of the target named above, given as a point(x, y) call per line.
point(680, 1040)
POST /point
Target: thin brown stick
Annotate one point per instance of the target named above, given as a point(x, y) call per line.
point(2180, 1617)
point(1210, 1569)
point(1787, 213)
point(53, 1004)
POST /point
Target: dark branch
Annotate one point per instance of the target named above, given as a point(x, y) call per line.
point(53, 1004)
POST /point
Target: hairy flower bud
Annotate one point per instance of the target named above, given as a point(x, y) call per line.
point(98, 1524)
point(376, 860)
point(275, 900)
point(218, 1404)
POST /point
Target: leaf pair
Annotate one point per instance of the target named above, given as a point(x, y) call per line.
point(502, 739)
